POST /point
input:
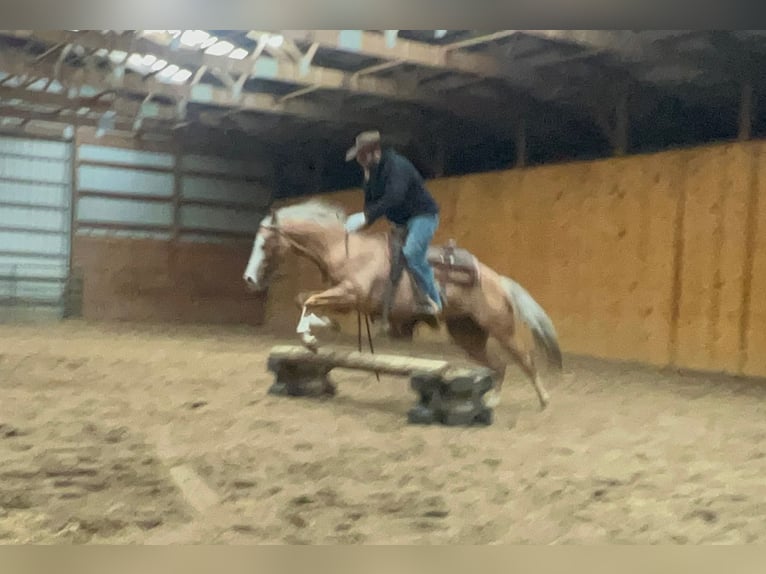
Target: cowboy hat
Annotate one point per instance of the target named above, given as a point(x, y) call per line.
point(363, 141)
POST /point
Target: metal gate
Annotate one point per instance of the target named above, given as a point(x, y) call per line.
point(35, 215)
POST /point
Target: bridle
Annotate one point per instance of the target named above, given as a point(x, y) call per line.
point(299, 248)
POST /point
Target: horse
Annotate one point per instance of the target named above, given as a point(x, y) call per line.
point(358, 266)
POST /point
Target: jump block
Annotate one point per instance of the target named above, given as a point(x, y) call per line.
point(296, 379)
point(453, 399)
point(446, 395)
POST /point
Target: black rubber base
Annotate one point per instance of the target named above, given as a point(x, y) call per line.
point(300, 380)
point(455, 400)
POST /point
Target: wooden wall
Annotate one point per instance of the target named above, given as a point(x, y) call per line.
point(655, 258)
point(162, 281)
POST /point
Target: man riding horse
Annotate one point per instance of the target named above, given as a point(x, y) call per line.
point(476, 303)
point(394, 189)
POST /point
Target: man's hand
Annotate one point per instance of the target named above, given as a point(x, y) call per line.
point(355, 222)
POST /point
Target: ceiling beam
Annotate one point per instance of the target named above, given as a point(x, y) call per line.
point(68, 118)
point(54, 100)
point(78, 80)
point(445, 58)
point(631, 50)
point(378, 46)
point(638, 49)
point(73, 88)
point(151, 115)
point(522, 77)
point(307, 76)
point(641, 52)
point(625, 44)
point(479, 40)
point(631, 46)
point(628, 58)
point(263, 67)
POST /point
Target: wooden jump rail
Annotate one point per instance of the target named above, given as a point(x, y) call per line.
point(446, 395)
point(388, 364)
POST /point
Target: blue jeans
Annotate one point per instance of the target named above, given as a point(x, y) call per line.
point(420, 232)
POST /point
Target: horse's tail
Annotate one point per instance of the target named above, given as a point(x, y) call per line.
point(533, 315)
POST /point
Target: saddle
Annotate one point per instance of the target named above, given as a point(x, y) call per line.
point(453, 264)
point(450, 264)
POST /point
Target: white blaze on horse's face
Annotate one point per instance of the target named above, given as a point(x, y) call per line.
point(254, 264)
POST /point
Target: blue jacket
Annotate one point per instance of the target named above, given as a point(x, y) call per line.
point(397, 191)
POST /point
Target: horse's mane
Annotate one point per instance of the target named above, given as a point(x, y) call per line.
point(314, 211)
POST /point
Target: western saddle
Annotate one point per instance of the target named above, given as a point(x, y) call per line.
point(450, 263)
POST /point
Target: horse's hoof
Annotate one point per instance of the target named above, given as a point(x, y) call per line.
point(310, 342)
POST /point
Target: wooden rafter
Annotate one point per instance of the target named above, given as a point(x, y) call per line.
point(133, 84)
point(303, 73)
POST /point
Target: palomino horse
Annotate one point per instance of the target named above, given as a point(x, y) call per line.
point(357, 267)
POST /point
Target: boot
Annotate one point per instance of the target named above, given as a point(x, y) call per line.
point(427, 306)
point(427, 311)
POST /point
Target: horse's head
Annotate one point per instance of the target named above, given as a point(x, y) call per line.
point(268, 247)
point(306, 228)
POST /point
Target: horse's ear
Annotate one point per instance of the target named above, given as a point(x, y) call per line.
point(273, 216)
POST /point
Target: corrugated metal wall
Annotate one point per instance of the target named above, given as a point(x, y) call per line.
point(120, 191)
point(35, 193)
point(163, 195)
point(124, 192)
point(221, 198)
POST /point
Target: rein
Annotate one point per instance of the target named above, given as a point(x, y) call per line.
point(359, 322)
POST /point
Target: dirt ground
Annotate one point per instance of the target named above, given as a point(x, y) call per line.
point(97, 420)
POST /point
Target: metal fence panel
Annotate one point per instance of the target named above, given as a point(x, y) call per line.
point(35, 192)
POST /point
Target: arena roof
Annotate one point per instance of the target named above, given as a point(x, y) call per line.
point(457, 100)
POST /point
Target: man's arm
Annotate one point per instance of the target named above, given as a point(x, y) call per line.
point(394, 194)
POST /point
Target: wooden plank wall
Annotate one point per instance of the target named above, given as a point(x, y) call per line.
point(165, 281)
point(655, 258)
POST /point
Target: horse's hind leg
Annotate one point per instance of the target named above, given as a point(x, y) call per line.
point(526, 361)
point(472, 338)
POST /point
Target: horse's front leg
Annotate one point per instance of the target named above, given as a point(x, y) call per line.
point(338, 298)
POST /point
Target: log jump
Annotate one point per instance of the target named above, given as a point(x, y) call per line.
point(446, 395)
